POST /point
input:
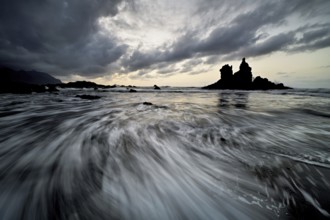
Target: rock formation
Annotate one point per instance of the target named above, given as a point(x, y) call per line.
point(226, 73)
point(85, 84)
point(242, 79)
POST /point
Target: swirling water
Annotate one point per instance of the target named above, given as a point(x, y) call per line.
point(192, 154)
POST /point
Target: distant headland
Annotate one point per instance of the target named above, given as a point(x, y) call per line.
point(243, 79)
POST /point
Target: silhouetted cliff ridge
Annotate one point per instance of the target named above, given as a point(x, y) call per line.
point(242, 79)
point(12, 81)
point(8, 75)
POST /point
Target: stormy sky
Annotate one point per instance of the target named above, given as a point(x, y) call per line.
point(174, 42)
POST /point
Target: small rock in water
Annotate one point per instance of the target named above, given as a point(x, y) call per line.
point(147, 103)
point(89, 97)
point(132, 90)
point(222, 139)
point(156, 87)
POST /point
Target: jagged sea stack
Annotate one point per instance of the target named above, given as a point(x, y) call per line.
point(226, 73)
point(242, 79)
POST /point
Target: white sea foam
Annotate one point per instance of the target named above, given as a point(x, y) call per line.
point(192, 154)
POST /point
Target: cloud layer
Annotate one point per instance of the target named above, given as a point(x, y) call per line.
point(57, 35)
point(92, 38)
point(247, 35)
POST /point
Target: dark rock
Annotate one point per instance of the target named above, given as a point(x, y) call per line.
point(147, 103)
point(132, 90)
point(80, 85)
point(156, 87)
point(89, 97)
point(242, 80)
point(85, 84)
point(216, 85)
point(226, 73)
point(222, 139)
point(264, 84)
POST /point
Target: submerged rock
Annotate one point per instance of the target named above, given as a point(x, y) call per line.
point(89, 97)
point(147, 103)
point(132, 90)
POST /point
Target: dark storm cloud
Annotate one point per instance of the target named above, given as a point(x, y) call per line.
point(245, 35)
point(168, 70)
point(57, 35)
point(189, 65)
point(313, 38)
point(278, 42)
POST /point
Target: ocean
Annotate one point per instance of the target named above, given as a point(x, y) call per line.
point(175, 153)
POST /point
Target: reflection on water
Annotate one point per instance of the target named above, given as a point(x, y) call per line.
point(189, 155)
point(233, 100)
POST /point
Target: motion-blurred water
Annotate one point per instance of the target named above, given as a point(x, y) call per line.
point(192, 154)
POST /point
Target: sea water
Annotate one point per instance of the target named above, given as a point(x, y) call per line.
point(186, 154)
